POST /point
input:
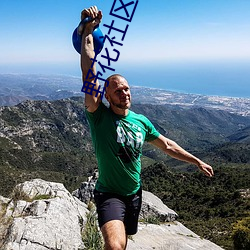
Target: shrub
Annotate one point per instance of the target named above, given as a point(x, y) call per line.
point(241, 234)
point(91, 235)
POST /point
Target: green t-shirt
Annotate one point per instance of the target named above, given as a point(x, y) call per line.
point(118, 144)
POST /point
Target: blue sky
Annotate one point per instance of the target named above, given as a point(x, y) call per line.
point(35, 36)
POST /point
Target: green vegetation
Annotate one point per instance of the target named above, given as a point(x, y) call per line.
point(241, 234)
point(91, 235)
point(20, 195)
point(5, 222)
point(151, 220)
point(45, 140)
point(51, 141)
point(208, 206)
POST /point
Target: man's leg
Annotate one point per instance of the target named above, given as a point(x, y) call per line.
point(111, 212)
point(114, 235)
point(133, 207)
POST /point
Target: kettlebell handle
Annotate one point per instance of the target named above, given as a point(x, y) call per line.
point(87, 20)
point(97, 37)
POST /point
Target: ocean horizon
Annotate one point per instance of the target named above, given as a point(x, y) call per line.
point(230, 80)
point(212, 79)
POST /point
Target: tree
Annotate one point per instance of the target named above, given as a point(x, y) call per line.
point(241, 234)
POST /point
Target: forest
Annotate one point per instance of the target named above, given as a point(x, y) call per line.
point(216, 208)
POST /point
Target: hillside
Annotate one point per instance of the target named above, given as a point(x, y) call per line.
point(43, 139)
point(51, 140)
point(15, 88)
point(209, 207)
point(241, 136)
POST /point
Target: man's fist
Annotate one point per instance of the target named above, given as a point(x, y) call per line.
point(92, 12)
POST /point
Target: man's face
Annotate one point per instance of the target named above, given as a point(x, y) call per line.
point(118, 93)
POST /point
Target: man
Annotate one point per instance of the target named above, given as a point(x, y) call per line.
point(118, 135)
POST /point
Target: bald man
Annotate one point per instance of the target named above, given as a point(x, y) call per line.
point(118, 135)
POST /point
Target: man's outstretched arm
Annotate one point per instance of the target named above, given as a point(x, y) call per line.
point(92, 100)
point(174, 150)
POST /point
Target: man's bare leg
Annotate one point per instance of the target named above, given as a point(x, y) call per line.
point(114, 235)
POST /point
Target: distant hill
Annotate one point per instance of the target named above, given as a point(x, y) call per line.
point(45, 139)
point(241, 136)
point(15, 88)
point(198, 130)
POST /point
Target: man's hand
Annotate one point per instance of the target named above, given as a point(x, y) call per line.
point(92, 12)
point(206, 169)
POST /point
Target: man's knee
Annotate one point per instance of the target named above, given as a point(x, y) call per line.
point(114, 235)
point(115, 245)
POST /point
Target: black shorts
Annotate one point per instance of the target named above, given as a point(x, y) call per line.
point(117, 207)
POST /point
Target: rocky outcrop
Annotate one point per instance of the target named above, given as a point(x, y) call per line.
point(85, 192)
point(152, 206)
point(168, 236)
point(43, 215)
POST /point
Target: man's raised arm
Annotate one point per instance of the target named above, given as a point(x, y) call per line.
point(92, 98)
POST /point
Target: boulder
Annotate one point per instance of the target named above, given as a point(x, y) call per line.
point(85, 192)
point(152, 206)
point(168, 236)
point(43, 215)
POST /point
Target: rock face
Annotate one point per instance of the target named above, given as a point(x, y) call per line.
point(85, 192)
point(44, 215)
point(168, 236)
point(152, 206)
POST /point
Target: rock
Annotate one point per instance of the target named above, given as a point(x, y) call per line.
point(245, 193)
point(152, 206)
point(85, 192)
point(169, 236)
point(44, 215)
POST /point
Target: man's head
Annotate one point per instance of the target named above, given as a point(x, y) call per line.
point(118, 93)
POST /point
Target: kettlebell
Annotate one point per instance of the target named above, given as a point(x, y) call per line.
point(97, 37)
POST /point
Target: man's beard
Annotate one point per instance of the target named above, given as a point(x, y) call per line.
point(120, 105)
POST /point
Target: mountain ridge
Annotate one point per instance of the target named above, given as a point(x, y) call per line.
point(52, 135)
point(16, 88)
point(51, 140)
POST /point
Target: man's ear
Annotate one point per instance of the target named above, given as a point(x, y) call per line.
point(106, 96)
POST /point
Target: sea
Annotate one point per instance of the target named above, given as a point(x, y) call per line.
point(214, 79)
point(230, 79)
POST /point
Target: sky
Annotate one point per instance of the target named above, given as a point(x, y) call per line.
point(184, 45)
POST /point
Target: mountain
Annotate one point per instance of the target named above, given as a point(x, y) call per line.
point(15, 88)
point(236, 150)
point(241, 136)
point(203, 132)
point(45, 139)
point(51, 139)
